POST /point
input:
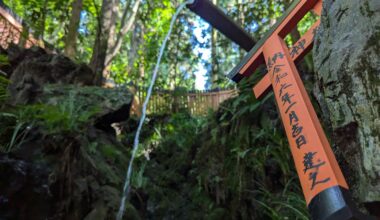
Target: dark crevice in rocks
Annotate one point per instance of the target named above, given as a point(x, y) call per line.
point(340, 13)
point(346, 138)
point(373, 207)
point(104, 122)
point(324, 60)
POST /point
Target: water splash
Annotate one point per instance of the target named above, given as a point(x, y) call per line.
point(143, 116)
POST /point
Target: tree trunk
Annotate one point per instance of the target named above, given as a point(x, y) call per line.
point(99, 54)
point(111, 38)
point(214, 58)
point(72, 32)
point(347, 61)
point(132, 52)
point(107, 45)
point(112, 28)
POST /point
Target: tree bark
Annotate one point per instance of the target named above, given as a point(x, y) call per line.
point(347, 61)
point(132, 52)
point(72, 32)
point(214, 58)
point(97, 63)
point(107, 45)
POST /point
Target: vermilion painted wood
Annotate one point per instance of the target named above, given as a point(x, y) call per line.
point(307, 41)
point(315, 162)
point(282, 30)
point(315, 143)
point(264, 84)
point(317, 9)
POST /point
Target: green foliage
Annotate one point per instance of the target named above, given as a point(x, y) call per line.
point(306, 22)
point(13, 131)
point(286, 203)
point(138, 178)
point(3, 89)
point(4, 60)
point(47, 19)
point(246, 153)
point(138, 54)
point(110, 152)
point(68, 116)
point(108, 158)
point(223, 165)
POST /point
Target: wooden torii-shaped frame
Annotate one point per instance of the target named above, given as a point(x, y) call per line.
point(323, 184)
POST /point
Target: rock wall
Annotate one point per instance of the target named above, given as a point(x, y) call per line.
point(64, 161)
point(347, 62)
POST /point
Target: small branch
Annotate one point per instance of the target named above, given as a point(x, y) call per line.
point(125, 27)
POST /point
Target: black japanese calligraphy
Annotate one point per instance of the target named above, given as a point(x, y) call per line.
point(299, 47)
point(279, 77)
point(273, 60)
point(294, 51)
point(296, 130)
point(286, 98)
point(308, 162)
point(283, 87)
point(300, 141)
point(277, 69)
point(290, 107)
point(301, 44)
point(293, 117)
point(277, 55)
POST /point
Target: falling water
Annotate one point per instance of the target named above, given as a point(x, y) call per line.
point(142, 119)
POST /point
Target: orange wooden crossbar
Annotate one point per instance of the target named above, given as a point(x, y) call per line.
point(298, 51)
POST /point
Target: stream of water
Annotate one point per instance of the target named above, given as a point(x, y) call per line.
point(127, 186)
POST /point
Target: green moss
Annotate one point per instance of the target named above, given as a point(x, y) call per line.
point(131, 213)
point(4, 82)
point(110, 152)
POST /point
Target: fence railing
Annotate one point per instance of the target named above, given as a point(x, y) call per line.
point(12, 30)
point(196, 102)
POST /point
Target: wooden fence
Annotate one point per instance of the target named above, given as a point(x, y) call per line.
point(12, 30)
point(196, 102)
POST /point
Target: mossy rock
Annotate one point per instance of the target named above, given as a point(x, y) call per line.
point(106, 99)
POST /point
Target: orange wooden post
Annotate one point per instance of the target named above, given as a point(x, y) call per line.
point(323, 184)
